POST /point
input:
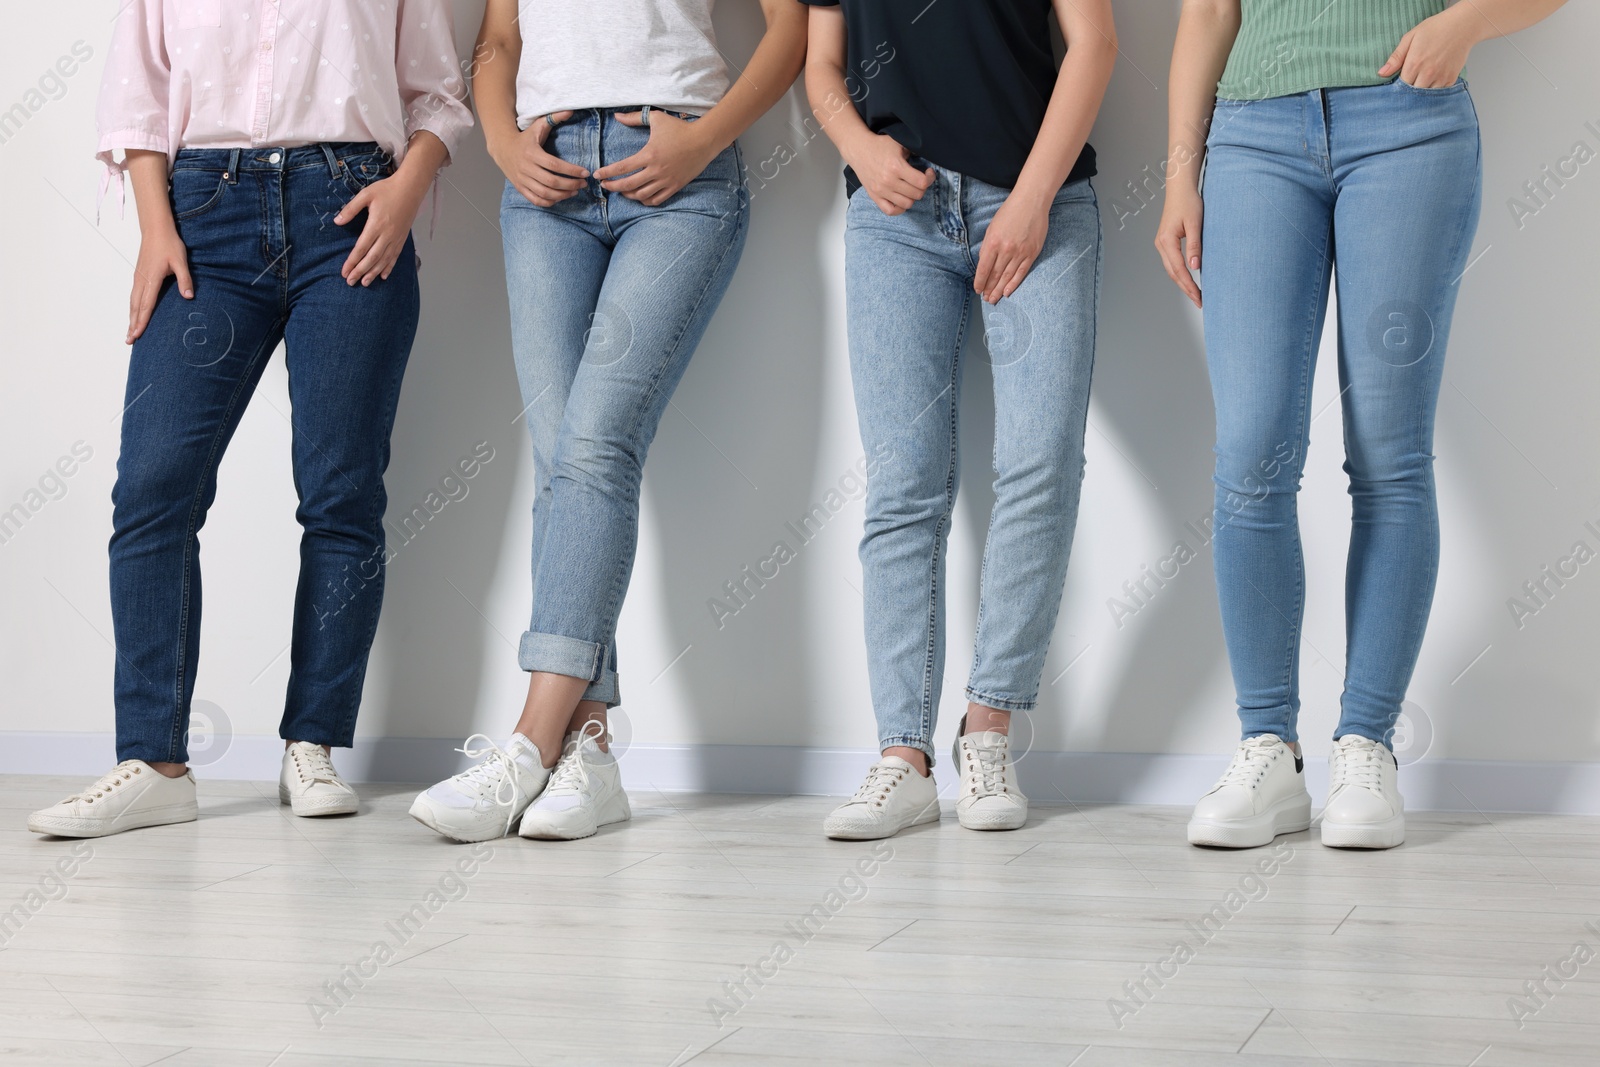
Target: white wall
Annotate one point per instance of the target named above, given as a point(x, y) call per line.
point(763, 426)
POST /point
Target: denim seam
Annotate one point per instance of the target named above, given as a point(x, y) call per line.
point(175, 741)
point(930, 658)
point(989, 700)
point(619, 584)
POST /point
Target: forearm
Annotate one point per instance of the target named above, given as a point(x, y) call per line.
point(827, 90)
point(1074, 103)
point(148, 173)
point(425, 154)
point(769, 74)
point(1485, 20)
point(1206, 31)
point(494, 81)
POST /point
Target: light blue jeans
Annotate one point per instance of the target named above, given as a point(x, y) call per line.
point(609, 299)
point(908, 280)
point(1377, 187)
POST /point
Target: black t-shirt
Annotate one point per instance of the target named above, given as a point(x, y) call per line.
point(962, 83)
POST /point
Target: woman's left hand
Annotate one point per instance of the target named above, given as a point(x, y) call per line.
point(391, 205)
point(1432, 54)
point(674, 156)
point(1011, 244)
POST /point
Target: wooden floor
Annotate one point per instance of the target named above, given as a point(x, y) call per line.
point(226, 942)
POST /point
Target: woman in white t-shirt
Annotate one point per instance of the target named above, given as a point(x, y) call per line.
point(624, 214)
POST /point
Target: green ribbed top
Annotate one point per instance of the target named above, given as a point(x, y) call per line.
point(1294, 46)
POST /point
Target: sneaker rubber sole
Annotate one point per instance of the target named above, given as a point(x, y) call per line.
point(423, 812)
point(1289, 816)
point(309, 808)
point(66, 826)
point(1385, 834)
point(847, 829)
point(560, 826)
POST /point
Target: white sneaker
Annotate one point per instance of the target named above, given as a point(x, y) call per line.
point(1365, 808)
point(584, 794)
point(131, 795)
point(308, 783)
point(893, 797)
point(1262, 794)
point(990, 799)
point(481, 803)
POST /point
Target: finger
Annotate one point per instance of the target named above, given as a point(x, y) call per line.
point(381, 270)
point(1005, 266)
point(146, 303)
point(180, 270)
point(1191, 239)
point(986, 268)
point(555, 180)
point(632, 183)
point(369, 237)
point(1018, 274)
point(371, 261)
point(1397, 58)
point(888, 206)
point(912, 191)
point(630, 118)
point(355, 206)
point(638, 161)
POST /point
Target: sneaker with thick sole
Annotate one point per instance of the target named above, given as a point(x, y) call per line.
point(484, 801)
point(310, 786)
point(584, 794)
point(989, 798)
point(1262, 794)
point(893, 797)
point(130, 796)
point(1365, 808)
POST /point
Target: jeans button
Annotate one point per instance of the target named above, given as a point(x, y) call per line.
point(274, 158)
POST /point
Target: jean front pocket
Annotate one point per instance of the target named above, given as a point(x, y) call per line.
point(1460, 86)
point(195, 192)
point(362, 171)
point(198, 14)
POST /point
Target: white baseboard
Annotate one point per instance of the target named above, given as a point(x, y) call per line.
point(1047, 777)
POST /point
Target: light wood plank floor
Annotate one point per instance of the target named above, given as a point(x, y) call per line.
point(252, 938)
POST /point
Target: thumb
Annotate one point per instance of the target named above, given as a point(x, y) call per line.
point(1192, 240)
point(180, 272)
point(354, 207)
point(1397, 58)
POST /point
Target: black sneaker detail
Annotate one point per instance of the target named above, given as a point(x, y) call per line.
point(1299, 765)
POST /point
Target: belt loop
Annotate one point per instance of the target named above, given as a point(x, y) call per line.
point(644, 116)
point(333, 160)
point(232, 176)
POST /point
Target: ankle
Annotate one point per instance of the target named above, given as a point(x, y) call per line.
point(288, 742)
point(170, 770)
point(914, 756)
point(983, 719)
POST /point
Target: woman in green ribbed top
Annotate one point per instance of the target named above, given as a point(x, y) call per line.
point(1340, 147)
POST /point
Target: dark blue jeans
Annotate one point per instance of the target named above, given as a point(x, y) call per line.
point(265, 255)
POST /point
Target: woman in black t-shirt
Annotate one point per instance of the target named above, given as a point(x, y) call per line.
point(967, 176)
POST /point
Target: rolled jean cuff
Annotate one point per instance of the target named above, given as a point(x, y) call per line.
point(1001, 703)
point(554, 654)
point(920, 744)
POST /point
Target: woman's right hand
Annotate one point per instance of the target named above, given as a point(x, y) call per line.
point(161, 255)
point(880, 163)
point(1178, 237)
point(544, 179)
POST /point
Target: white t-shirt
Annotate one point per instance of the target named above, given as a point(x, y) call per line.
point(617, 53)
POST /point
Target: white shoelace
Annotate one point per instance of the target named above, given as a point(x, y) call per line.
point(881, 779)
point(571, 773)
point(498, 769)
point(122, 772)
point(1358, 761)
point(1251, 762)
point(988, 762)
point(320, 767)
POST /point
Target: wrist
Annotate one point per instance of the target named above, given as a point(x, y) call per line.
point(1467, 23)
point(1030, 196)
